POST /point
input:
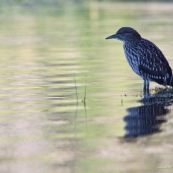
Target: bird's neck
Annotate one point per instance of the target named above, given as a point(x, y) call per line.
point(132, 42)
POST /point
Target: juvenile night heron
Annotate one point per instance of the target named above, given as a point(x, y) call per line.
point(144, 57)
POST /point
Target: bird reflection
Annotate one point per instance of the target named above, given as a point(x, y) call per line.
point(147, 119)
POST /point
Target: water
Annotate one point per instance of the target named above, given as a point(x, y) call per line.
point(69, 102)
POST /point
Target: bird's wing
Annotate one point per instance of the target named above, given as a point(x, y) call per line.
point(153, 64)
point(157, 76)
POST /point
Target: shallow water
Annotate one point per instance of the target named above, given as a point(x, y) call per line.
point(69, 102)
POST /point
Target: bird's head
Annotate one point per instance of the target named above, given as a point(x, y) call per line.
point(126, 34)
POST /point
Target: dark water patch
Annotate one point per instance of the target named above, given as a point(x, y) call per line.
point(59, 96)
point(62, 82)
point(63, 104)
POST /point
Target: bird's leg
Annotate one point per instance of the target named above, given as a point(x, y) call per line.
point(146, 88)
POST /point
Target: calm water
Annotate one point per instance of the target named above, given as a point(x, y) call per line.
point(69, 102)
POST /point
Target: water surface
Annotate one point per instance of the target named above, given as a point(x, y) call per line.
point(69, 102)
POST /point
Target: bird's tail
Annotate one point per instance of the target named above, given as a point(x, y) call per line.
point(170, 83)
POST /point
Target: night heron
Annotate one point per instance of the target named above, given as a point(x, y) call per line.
point(144, 57)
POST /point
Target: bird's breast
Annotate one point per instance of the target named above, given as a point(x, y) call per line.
point(132, 57)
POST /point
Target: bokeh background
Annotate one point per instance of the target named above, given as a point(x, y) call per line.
point(69, 102)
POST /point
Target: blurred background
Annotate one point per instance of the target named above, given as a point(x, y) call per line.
point(69, 102)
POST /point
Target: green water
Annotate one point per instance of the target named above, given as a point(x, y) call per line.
point(69, 102)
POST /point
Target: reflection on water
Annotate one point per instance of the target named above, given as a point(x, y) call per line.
point(147, 118)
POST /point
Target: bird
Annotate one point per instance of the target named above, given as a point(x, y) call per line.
point(144, 57)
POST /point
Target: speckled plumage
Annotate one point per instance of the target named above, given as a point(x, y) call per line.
point(144, 57)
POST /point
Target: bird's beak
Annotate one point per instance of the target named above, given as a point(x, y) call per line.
point(112, 36)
